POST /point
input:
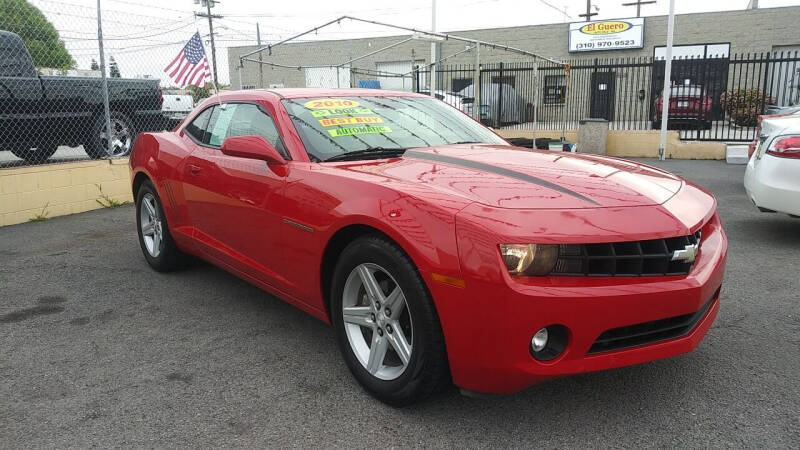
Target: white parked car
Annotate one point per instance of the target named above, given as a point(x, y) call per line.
point(513, 105)
point(772, 177)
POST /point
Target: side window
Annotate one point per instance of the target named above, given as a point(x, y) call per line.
point(197, 128)
point(10, 64)
point(14, 58)
point(243, 119)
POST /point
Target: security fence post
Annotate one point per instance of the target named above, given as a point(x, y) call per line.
point(476, 102)
point(499, 122)
point(106, 109)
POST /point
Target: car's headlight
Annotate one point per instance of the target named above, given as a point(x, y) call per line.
point(529, 259)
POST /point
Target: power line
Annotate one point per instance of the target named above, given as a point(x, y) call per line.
point(562, 11)
point(129, 37)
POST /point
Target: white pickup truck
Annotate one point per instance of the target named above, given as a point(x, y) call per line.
point(176, 107)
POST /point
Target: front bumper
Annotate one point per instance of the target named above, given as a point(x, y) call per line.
point(489, 324)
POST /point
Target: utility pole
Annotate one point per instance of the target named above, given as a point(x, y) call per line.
point(208, 4)
point(638, 4)
point(662, 149)
point(260, 65)
point(589, 12)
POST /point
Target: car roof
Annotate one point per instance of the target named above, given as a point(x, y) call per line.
point(266, 94)
point(347, 92)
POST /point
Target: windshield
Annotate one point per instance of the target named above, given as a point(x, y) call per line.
point(330, 127)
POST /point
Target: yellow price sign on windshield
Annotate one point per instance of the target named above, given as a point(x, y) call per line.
point(354, 131)
point(349, 121)
point(340, 112)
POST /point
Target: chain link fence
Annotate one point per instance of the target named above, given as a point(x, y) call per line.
point(55, 104)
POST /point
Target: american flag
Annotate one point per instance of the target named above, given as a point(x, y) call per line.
point(191, 64)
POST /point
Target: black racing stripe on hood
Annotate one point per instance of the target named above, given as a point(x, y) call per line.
point(498, 170)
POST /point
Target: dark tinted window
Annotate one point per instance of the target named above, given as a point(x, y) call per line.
point(14, 58)
point(197, 128)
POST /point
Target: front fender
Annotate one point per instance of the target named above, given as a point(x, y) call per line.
point(318, 205)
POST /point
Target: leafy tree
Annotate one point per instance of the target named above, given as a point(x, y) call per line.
point(39, 35)
point(113, 69)
point(94, 65)
point(199, 93)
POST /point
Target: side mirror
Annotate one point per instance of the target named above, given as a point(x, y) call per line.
point(252, 147)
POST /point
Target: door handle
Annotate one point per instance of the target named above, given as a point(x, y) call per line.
point(194, 170)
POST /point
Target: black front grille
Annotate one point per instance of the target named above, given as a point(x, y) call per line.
point(625, 259)
point(649, 332)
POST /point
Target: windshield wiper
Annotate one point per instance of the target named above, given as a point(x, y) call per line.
point(465, 142)
point(377, 152)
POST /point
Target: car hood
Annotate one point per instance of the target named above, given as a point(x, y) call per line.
point(518, 178)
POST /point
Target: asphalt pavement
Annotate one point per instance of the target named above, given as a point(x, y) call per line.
point(98, 350)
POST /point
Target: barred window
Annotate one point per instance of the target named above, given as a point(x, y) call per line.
point(554, 89)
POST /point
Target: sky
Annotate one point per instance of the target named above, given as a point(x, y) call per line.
point(145, 35)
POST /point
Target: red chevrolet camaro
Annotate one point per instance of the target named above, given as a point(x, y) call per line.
point(440, 253)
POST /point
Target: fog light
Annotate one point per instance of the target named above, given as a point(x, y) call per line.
point(539, 340)
point(549, 342)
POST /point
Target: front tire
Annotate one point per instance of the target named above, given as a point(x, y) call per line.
point(386, 323)
point(155, 239)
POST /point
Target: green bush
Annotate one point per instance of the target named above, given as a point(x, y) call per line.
point(745, 117)
point(744, 105)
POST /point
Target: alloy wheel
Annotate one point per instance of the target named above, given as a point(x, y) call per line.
point(377, 321)
point(151, 225)
point(121, 138)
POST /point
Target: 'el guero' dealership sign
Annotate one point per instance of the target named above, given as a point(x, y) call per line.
point(606, 35)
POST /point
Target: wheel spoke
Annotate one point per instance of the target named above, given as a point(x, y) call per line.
point(396, 302)
point(156, 242)
point(370, 284)
point(399, 343)
point(150, 207)
point(148, 229)
point(358, 315)
point(377, 352)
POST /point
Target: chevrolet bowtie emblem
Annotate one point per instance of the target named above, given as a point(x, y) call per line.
point(687, 255)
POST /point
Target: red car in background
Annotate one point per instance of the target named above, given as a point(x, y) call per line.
point(689, 105)
point(440, 253)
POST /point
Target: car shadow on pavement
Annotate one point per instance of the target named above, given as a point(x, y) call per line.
point(773, 228)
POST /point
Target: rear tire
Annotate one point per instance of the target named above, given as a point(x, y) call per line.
point(155, 239)
point(123, 134)
point(402, 374)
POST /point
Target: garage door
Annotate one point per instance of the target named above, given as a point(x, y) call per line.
point(397, 83)
point(326, 77)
